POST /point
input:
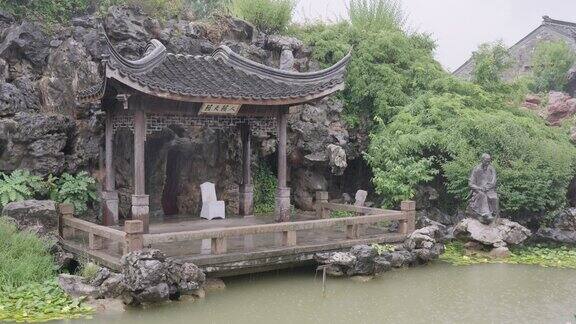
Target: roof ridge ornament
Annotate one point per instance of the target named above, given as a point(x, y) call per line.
point(225, 53)
point(154, 54)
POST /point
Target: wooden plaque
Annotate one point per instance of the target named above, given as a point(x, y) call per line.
point(219, 109)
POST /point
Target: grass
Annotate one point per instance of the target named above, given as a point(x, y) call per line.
point(89, 270)
point(542, 255)
point(28, 290)
point(24, 257)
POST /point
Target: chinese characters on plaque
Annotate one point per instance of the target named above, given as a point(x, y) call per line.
point(219, 109)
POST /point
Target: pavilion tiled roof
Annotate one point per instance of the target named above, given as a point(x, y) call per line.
point(223, 76)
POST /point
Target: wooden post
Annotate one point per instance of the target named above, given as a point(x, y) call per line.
point(109, 195)
point(246, 196)
point(219, 245)
point(289, 238)
point(283, 193)
point(140, 201)
point(408, 225)
point(321, 212)
point(134, 236)
point(351, 231)
point(66, 210)
point(95, 242)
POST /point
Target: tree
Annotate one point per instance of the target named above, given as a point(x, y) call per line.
point(490, 62)
point(551, 62)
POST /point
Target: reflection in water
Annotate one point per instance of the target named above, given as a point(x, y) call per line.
point(438, 293)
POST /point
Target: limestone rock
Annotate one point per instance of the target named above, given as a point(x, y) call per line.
point(337, 158)
point(191, 279)
point(11, 100)
point(555, 235)
point(38, 216)
point(68, 70)
point(124, 23)
point(76, 287)
point(150, 277)
point(27, 41)
point(501, 232)
point(499, 252)
point(365, 255)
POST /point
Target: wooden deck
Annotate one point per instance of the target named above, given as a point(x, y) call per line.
point(239, 245)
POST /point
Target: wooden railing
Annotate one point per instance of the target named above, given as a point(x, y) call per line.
point(288, 230)
point(130, 239)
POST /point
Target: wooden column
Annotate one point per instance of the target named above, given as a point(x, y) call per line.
point(283, 193)
point(110, 195)
point(246, 189)
point(140, 201)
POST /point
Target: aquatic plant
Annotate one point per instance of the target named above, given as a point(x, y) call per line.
point(38, 302)
point(542, 255)
point(383, 248)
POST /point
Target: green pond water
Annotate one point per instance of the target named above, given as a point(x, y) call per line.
point(437, 293)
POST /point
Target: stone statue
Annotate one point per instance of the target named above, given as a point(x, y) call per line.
point(484, 201)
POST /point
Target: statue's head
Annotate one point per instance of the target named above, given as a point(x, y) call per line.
point(486, 159)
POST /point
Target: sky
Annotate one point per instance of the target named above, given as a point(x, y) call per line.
point(459, 26)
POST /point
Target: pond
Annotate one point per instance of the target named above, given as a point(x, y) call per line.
point(437, 293)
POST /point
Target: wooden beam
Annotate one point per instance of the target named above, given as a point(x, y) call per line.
point(99, 230)
point(357, 209)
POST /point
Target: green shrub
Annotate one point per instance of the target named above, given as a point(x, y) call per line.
point(373, 15)
point(269, 16)
point(205, 8)
point(265, 184)
point(427, 127)
point(24, 258)
point(442, 135)
point(18, 186)
point(48, 11)
point(490, 62)
point(550, 65)
point(78, 190)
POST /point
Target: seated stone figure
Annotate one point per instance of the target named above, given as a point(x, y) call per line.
point(484, 201)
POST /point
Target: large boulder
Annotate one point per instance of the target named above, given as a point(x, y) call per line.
point(555, 235)
point(501, 232)
point(38, 216)
point(560, 106)
point(150, 277)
